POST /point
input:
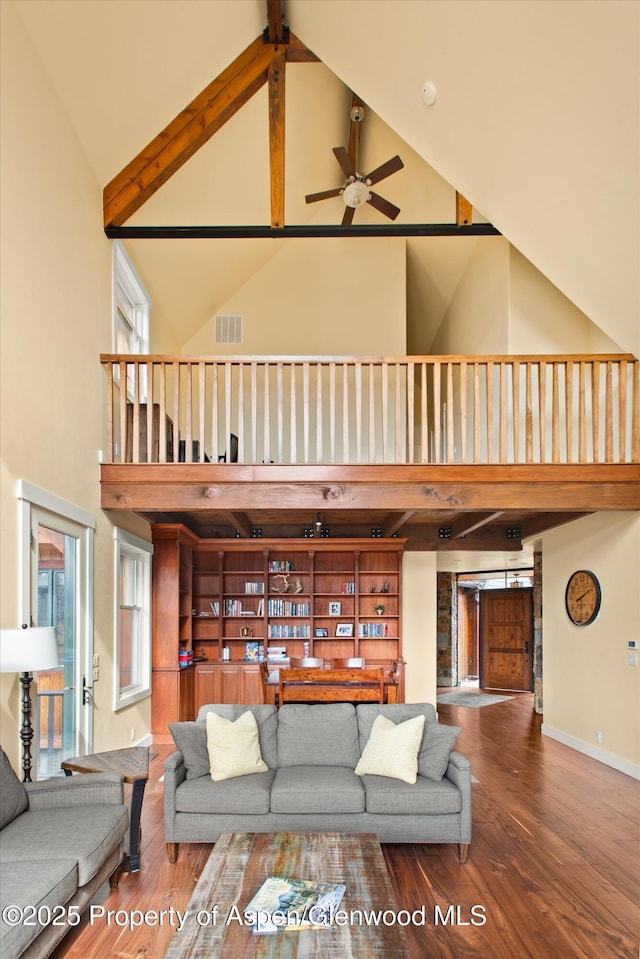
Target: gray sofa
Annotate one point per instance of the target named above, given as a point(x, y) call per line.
point(60, 840)
point(311, 752)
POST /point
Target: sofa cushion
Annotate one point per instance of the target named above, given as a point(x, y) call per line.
point(433, 755)
point(36, 884)
point(316, 789)
point(423, 798)
point(13, 795)
point(392, 750)
point(191, 739)
point(234, 747)
point(322, 735)
point(244, 795)
point(266, 718)
point(87, 834)
point(437, 743)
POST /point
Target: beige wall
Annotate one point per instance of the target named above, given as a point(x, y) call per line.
point(321, 297)
point(483, 292)
point(589, 686)
point(543, 320)
point(419, 626)
point(56, 320)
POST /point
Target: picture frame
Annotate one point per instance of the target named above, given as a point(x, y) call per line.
point(344, 629)
point(320, 632)
point(335, 609)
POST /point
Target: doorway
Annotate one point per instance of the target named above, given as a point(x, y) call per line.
point(56, 588)
point(478, 616)
point(506, 639)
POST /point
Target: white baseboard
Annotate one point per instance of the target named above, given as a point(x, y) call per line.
point(595, 752)
point(145, 741)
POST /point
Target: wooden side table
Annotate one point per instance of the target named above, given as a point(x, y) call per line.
point(132, 763)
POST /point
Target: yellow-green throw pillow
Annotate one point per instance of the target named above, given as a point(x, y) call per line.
point(234, 748)
point(392, 750)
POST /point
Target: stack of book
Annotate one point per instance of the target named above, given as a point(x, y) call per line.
point(277, 654)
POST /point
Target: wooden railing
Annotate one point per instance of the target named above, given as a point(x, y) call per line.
point(368, 410)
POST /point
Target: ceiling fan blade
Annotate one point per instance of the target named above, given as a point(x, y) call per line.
point(383, 205)
point(391, 166)
point(346, 165)
point(314, 197)
point(347, 219)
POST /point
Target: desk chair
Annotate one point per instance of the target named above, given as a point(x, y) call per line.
point(350, 662)
point(306, 662)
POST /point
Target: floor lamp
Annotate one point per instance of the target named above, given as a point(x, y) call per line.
point(25, 651)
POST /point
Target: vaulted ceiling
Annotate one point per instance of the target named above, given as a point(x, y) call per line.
point(518, 127)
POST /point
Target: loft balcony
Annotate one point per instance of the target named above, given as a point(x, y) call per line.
point(453, 451)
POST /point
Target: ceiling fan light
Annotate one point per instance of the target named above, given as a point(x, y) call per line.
point(355, 194)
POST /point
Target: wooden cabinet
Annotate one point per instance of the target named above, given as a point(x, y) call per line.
point(232, 602)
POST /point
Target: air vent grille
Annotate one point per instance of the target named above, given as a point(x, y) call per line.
point(228, 328)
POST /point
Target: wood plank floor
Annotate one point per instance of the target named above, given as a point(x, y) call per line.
point(554, 861)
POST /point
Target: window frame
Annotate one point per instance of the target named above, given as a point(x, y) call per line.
point(126, 544)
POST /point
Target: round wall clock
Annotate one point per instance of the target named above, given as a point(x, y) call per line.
point(582, 597)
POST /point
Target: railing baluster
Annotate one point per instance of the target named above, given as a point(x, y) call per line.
point(215, 445)
point(385, 412)
point(110, 414)
point(608, 416)
point(595, 411)
point(476, 413)
point(635, 414)
point(555, 415)
point(266, 420)
point(372, 415)
point(358, 388)
point(345, 414)
point(227, 413)
point(332, 412)
point(542, 410)
point(568, 409)
point(410, 413)
point(451, 433)
point(622, 412)
point(319, 424)
point(515, 399)
point(253, 410)
point(437, 407)
point(305, 410)
point(424, 414)
point(150, 413)
point(280, 400)
point(528, 417)
point(489, 413)
point(502, 445)
point(136, 414)
point(293, 425)
point(463, 411)
point(126, 453)
point(202, 373)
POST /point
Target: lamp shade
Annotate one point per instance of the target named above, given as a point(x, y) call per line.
point(28, 649)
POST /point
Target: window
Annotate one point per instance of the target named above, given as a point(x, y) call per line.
point(131, 309)
point(132, 680)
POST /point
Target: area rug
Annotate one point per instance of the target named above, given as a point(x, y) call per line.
point(467, 698)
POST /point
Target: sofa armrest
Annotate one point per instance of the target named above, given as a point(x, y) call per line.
point(79, 790)
point(459, 773)
point(174, 774)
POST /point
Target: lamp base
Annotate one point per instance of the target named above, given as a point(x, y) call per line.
point(26, 730)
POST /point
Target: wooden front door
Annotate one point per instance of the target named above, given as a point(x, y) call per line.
point(506, 639)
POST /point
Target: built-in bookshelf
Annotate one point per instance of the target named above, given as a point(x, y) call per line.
point(243, 601)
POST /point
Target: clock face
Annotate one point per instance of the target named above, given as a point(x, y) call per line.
point(582, 597)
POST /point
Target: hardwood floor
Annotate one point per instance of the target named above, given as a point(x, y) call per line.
point(553, 869)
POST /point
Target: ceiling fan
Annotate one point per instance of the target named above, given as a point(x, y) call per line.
point(355, 190)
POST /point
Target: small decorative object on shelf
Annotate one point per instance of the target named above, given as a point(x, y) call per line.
point(251, 650)
point(379, 609)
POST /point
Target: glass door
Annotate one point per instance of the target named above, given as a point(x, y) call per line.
point(63, 695)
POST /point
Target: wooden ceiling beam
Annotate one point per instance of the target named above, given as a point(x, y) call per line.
point(187, 132)
point(394, 523)
point(470, 522)
point(276, 29)
point(276, 137)
point(240, 522)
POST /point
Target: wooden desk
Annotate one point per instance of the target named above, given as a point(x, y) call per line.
point(271, 690)
point(132, 763)
point(332, 685)
point(239, 864)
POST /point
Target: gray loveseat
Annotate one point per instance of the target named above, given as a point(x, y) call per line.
point(60, 840)
point(311, 752)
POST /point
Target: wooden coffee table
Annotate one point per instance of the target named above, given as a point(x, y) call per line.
point(132, 763)
point(239, 864)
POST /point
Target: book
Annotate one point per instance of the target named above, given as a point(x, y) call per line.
point(293, 904)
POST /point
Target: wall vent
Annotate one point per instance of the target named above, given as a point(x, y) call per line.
point(228, 329)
